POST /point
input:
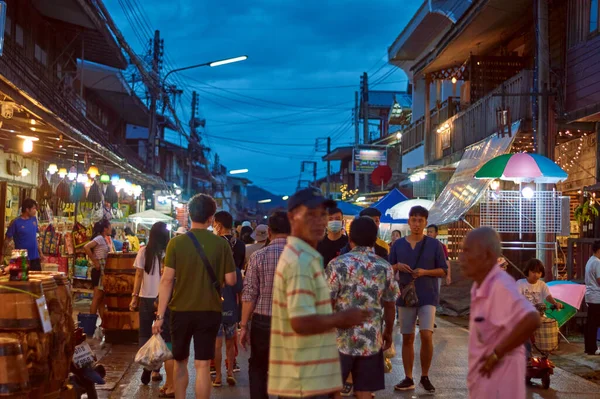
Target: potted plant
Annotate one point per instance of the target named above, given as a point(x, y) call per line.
point(586, 213)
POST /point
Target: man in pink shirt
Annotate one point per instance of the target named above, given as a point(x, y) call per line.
point(501, 321)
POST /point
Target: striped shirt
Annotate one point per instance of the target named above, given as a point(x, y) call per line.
point(258, 282)
point(102, 247)
point(301, 365)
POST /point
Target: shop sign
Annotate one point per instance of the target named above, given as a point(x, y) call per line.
point(83, 355)
point(366, 159)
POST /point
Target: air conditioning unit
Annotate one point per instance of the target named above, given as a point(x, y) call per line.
point(13, 168)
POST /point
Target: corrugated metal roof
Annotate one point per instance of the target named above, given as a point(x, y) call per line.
point(385, 99)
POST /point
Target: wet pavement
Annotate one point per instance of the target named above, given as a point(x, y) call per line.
point(448, 374)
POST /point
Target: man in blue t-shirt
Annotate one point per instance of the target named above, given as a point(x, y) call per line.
point(23, 231)
point(420, 259)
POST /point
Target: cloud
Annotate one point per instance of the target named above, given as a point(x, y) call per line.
point(291, 44)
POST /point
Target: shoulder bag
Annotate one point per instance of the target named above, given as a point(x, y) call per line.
point(409, 291)
point(207, 265)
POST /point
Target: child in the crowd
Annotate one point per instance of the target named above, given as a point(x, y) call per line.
point(535, 290)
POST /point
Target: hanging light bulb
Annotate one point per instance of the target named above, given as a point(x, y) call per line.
point(62, 172)
point(82, 178)
point(88, 183)
point(115, 179)
point(93, 171)
point(105, 179)
point(52, 168)
point(453, 80)
point(72, 175)
point(27, 143)
point(25, 172)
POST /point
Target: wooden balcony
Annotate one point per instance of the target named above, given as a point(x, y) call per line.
point(478, 121)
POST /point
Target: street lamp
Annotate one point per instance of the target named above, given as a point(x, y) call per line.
point(238, 171)
point(211, 64)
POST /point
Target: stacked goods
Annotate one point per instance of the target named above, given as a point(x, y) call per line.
point(20, 320)
point(118, 281)
point(14, 380)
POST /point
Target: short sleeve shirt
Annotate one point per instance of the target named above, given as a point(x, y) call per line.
point(24, 234)
point(102, 248)
point(535, 293)
point(193, 288)
point(150, 282)
point(433, 257)
point(592, 274)
point(361, 279)
point(301, 365)
point(329, 250)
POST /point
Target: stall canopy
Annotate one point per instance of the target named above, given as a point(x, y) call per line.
point(401, 210)
point(349, 209)
point(150, 216)
point(389, 201)
point(463, 190)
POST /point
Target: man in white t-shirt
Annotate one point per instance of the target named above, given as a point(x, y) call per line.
point(592, 298)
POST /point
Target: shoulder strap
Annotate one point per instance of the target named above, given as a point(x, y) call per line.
point(206, 262)
point(420, 252)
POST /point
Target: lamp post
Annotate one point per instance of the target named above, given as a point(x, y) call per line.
point(211, 64)
point(399, 142)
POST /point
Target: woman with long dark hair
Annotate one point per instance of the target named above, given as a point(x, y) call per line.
point(148, 263)
point(97, 251)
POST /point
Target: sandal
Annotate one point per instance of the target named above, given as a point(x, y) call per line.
point(164, 394)
point(156, 376)
point(217, 384)
point(231, 381)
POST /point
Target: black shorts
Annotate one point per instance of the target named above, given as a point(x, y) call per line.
point(367, 371)
point(202, 326)
point(96, 273)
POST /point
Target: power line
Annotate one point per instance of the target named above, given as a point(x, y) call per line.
point(236, 140)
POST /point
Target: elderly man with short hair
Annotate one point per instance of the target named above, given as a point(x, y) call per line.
point(501, 321)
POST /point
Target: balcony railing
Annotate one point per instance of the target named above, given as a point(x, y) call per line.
point(479, 120)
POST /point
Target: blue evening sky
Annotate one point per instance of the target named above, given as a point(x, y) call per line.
point(306, 58)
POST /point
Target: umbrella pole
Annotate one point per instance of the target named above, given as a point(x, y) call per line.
point(565, 338)
point(520, 211)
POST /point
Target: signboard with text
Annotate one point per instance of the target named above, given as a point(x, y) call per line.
point(366, 159)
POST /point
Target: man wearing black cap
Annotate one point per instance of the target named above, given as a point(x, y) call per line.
point(304, 361)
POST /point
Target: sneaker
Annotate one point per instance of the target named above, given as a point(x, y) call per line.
point(236, 367)
point(213, 370)
point(348, 390)
point(406, 385)
point(427, 385)
point(146, 374)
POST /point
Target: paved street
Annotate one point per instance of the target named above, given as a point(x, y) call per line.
point(448, 374)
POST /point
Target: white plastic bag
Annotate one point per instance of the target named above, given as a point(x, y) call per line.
point(154, 353)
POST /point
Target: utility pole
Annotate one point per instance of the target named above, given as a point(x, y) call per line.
point(319, 148)
point(356, 136)
point(542, 134)
point(365, 106)
point(155, 91)
point(193, 142)
point(314, 170)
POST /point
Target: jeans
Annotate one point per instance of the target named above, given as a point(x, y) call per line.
point(592, 324)
point(260, 338)
point(146, 307)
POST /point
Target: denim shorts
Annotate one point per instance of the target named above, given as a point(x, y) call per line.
point(228, 330)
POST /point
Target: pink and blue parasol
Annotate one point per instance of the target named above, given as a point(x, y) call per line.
point(522, 168)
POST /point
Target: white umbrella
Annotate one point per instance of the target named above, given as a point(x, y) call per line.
point(401, 210)
point(150, 216)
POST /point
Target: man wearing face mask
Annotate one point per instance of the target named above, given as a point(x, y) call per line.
point(334, 240)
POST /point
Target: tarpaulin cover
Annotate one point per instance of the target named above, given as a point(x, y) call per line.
point(349, 209)
point(388, 202)
point(463, 190)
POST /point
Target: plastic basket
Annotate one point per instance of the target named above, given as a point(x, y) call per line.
point(87, 321)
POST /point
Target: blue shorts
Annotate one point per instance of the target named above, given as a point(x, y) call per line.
point(228, 330)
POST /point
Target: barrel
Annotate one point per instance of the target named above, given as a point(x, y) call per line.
point(58, 298)
point(118, 280)
point(18, 310)
point(20, 320)
point(14, 380)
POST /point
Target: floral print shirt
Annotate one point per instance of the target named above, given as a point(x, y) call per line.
point(361, 279)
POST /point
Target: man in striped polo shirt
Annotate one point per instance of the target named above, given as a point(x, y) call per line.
point(304, 360)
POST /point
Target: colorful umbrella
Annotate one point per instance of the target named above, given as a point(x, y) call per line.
point(568, 292)
point(522, 168)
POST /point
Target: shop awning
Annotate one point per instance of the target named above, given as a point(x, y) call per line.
point(392, 199)
point(463, 190)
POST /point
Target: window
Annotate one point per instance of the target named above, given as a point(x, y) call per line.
point(8, 26)
point(594, 13)
point(19, 35)
point(41, 55)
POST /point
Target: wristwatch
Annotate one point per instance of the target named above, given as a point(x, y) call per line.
point(159, 317)
point(135, 295)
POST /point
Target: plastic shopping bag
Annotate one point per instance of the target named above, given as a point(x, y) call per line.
point(390, 353)
point(154, 353)
point(387, 366)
